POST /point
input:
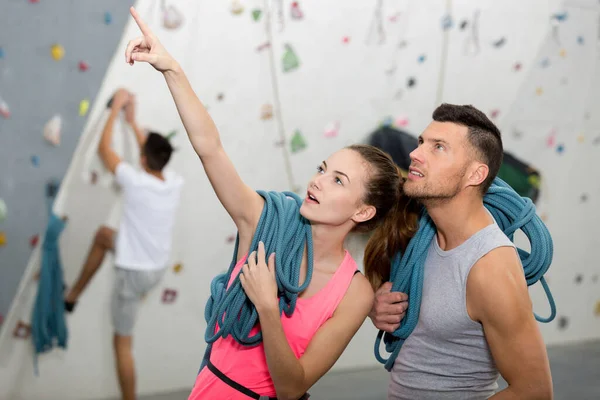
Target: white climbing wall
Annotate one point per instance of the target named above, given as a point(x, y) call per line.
point(354, 70)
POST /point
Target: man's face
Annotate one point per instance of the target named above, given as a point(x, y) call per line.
point(440, 163)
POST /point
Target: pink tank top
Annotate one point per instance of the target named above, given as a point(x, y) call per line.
point(248, 365)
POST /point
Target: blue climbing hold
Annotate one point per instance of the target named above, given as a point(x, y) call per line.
point(511, 212)
point(35, 160)
point(107, 18)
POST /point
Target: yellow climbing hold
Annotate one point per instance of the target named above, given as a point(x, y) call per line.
point(2, 238)
point(580, 138)
point(597, 310)
point(84, 105)
point(563, 53)
point(177, 268)
point(539, 91)
point(57, 51)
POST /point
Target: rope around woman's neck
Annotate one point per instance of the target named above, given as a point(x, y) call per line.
point(282, 230)
point(511, 212)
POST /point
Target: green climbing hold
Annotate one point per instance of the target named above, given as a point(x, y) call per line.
point(171, 134)
point(298, 143)
point(256, 13)
point(290, 60)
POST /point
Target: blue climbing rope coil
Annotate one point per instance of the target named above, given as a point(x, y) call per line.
point(282, 230)
point(511, 212)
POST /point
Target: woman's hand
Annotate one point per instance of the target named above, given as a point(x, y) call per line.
point(147, 48)
point(258, 280)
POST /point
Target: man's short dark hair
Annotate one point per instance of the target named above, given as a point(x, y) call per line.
point(483, 135)
point(157, 150)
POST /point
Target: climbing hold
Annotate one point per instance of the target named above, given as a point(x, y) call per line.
point(2, 238)
point(220, 97)
point(93, 177)
point(394, 18)
point(57, 52)
point(52, 188)
point(517, 66)
point(560, 148)
point(84, 105)
point(33, 241)
point(35, 160)
point(236, 7)
point(1, 52)
point(464, 24)
point(597, 309)
point(266, 112)
point(297, 143)
point(171, 134)
point(411, 82)
point(230, 239)
point(263, 46)
point(172, 18)
point(563, 322)
point(52, 130)
point(561, 17)
point(290, 59)
point(539, 91)
point(421, 59)
point(3, 210)
point(401, 121)
point(578, 279)
point(551, 138)
point(295, 11)
point(563, 53)
point(83, 66)
point(387, 121)
point(107, 18)
point(596, 140)
point(177, 268)
point(446, 22)
point(256, 13)
point(545, 62)
point(22, 330)
point(500, 42)
point(332, 129)
point(346, 39)
point(169, 296)
point(583, 198)
point(494, 113)
point(580, 40)
point(580, 138)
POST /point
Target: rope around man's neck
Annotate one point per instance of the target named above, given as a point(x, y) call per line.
point(511, 212)
point(282, 230)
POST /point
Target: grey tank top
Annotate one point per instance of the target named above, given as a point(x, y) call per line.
point(447, 356)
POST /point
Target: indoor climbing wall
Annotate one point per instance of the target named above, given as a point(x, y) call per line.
point(53, 58)
point(288, 83)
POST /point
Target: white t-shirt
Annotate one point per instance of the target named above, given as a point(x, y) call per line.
point(149, 207)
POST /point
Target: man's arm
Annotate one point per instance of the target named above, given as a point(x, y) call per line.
point(107, 154)
point(497, 297)
point(130, 118)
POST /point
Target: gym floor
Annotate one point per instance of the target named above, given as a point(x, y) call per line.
point(575, 373)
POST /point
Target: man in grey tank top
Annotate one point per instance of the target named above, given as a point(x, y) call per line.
point(476, 319)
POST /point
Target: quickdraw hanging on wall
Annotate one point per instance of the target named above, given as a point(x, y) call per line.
point(472, 42)
point(377, 24)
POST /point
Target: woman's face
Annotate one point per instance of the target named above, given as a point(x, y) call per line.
point(335, 193)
